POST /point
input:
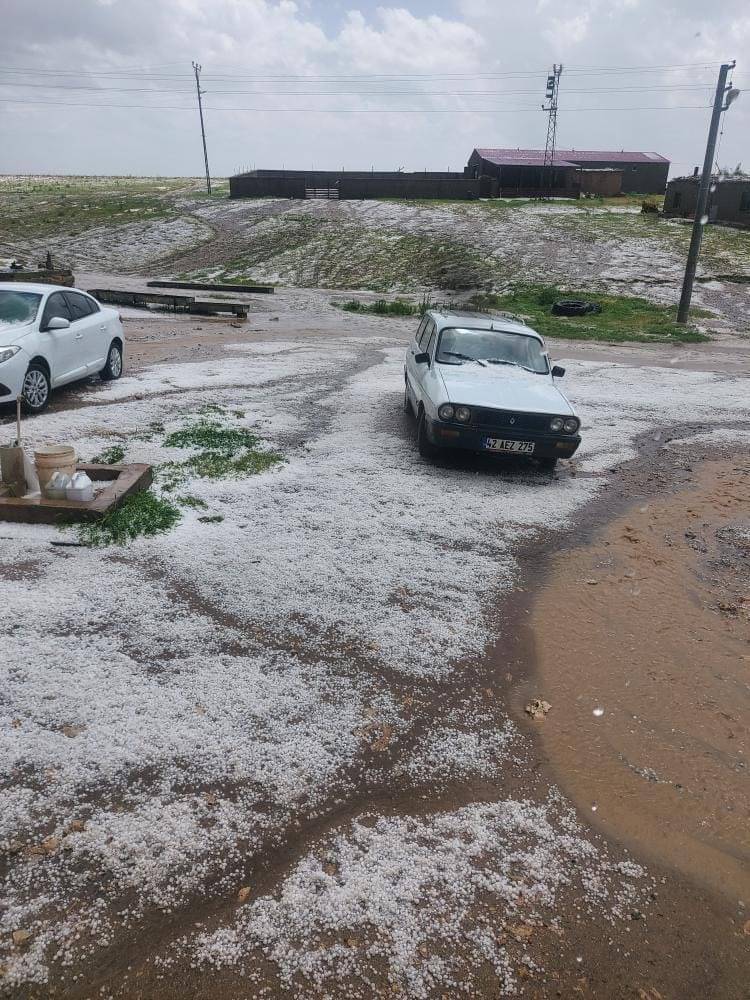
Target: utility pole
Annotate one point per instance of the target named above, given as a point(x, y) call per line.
point(553, 87)
point(197, 70)
point(720, 105)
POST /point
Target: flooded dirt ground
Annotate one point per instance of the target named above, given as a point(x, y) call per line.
point(642, 642)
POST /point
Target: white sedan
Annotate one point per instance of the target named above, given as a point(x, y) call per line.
point(486, 384)
point(50, 336)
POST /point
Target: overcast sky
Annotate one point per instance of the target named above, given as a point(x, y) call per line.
point(416, 84)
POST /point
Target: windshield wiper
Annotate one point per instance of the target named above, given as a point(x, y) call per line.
point(463, 357)
point(516, 364)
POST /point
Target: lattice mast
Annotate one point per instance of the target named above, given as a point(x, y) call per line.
point(550, 106)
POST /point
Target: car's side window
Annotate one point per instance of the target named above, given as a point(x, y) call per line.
point(420, 328)
point(426, 334)
point(431, 342)
point(56, 306)
point(80, 306)
point(93, 306)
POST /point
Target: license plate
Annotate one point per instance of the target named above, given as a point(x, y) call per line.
point(503, 444)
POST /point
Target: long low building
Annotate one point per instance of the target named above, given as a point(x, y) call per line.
point(728, 200)
point(522, 172)
point(490, 173)
point(352, 184)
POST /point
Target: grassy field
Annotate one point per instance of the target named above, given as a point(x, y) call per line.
point(622, 317)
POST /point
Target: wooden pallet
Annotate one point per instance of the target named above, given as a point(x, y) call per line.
point(124, 480)
point(58, 276)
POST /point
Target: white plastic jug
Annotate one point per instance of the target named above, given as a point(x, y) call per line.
point(80, 488)
point(56, 488)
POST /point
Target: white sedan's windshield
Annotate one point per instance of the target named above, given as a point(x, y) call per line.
point(491, 347)
point(18, 307)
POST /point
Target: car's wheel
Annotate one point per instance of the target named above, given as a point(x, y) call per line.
point(36, 389)
point(547, 464)
point(426, 448)
point(407, 402)
point(113, 367)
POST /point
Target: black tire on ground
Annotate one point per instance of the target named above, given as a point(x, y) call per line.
point(426, 448)
point(547, 464)
point(113, 367)
point(36, 389)
point(574, 307)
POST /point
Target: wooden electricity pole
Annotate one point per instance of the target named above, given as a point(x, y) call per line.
point(197, 70)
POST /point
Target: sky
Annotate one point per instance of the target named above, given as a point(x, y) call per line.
point(107, 86)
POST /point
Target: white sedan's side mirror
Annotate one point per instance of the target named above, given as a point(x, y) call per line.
point(58, 323)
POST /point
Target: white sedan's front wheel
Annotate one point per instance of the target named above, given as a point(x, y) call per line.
point(36, 389)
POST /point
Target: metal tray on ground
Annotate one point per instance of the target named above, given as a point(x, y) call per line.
point(122, 481)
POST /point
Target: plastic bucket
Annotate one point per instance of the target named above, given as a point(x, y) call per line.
point(55, 458)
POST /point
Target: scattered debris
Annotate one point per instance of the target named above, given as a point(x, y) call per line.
point(244, 894)
point(537, 708)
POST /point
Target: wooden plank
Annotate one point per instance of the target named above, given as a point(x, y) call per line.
point(124, 481)
point(212, 307)
point(212, 287)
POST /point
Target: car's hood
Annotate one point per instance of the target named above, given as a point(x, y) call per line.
point(11, 333)
point(504, 388)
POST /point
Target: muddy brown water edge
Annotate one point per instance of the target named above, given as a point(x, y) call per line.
point(662, 773)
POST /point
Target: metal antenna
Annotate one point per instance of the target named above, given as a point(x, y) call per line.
point(553, 87)
point(197, 70)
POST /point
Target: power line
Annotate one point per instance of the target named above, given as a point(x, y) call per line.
point(361, 93)
point(334, 111)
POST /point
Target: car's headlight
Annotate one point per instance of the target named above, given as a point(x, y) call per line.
point(6, 353)
point(463, 414)
point(556, 424)
point(446, 412)
point(571, 425)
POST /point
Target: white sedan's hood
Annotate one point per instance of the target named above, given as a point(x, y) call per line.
point(503, 388)
point(11, 333)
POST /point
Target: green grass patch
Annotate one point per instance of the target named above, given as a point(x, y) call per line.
point(140, 514)
point(110, 456)
point(222, 452)
point(623, 318)
point(381, 307)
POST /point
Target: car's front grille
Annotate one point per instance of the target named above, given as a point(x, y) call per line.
point(513, 420)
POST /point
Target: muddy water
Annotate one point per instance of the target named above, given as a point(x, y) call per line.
point(643, 644)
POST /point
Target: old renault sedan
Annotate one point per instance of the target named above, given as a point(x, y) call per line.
point(486, 384)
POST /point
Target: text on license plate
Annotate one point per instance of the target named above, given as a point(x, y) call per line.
point(503, 444)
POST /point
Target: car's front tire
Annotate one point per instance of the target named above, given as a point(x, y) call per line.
point(36, 389)
point(426, 448)
point(407, 402)
point(113, 367)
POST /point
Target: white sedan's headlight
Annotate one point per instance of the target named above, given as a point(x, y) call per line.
point(6, 353)
point(463, 414)
point(556, 424)
point(571, 425)
point(446, 412)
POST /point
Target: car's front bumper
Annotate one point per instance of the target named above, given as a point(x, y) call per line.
point(471, 438)
point(12, 374)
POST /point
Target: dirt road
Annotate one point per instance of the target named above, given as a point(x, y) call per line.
point(282, 750)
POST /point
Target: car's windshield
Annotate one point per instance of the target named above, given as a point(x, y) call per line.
point(459, 345)
point(18, 307)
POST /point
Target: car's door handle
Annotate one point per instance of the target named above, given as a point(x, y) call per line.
point(79, 336)
point(103, 326)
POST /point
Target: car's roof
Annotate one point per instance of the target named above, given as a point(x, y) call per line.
point(483, 321)
point(31, 286)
